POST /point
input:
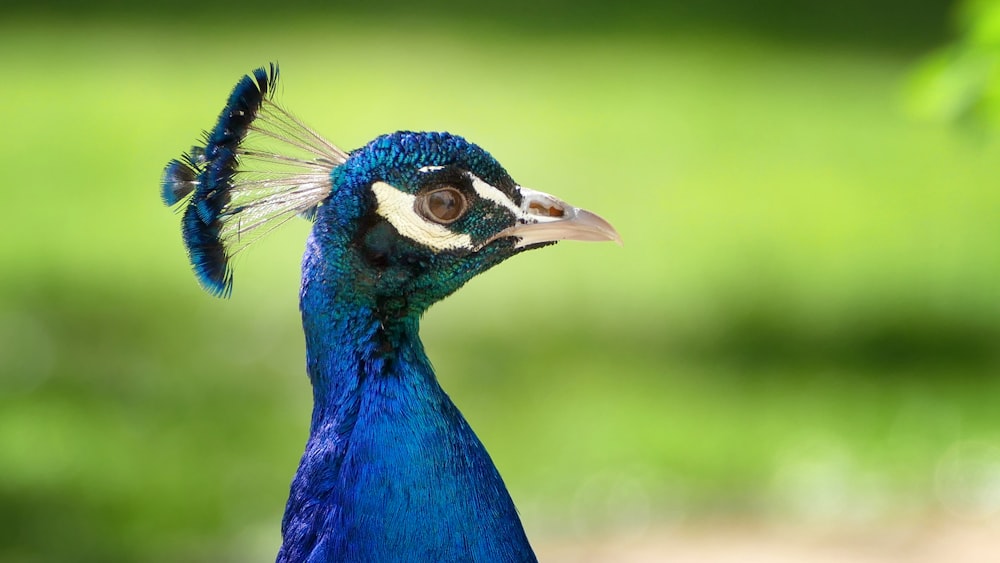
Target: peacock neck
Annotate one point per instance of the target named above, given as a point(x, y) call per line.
point(391, 471)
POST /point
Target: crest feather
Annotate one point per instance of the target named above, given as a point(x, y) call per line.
point(259, 167)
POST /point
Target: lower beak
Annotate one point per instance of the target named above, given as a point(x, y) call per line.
point(545, 218)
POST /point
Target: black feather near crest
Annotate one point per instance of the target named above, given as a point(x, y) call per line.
point(259, 167)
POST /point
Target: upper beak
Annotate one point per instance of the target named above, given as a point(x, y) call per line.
point(545, 218)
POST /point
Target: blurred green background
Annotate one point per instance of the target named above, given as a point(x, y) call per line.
point(802, 326)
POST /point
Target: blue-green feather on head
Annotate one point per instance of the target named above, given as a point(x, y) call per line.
point(391, 469)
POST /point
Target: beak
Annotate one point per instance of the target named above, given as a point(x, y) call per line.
point(545, 218)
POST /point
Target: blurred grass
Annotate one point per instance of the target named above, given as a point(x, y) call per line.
point(802, 322)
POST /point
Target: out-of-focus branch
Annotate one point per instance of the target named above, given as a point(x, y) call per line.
point(961, 81)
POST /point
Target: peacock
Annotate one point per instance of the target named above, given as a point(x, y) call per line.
point(391, 470)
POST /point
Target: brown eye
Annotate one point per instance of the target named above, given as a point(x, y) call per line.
point(443, 205)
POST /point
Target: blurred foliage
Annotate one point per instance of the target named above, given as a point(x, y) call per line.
point(961, 82)
point(885, 24)
point(802, 323)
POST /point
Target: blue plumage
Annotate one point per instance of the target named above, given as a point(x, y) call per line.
point(391, 469)
point(206, 174)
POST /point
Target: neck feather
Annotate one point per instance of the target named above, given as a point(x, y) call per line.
point(391, 469)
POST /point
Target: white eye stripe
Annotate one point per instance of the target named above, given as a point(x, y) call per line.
point(486, 191)
point(398, 209)
point(483, 188)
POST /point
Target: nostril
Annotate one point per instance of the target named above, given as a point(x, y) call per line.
point(538, 208)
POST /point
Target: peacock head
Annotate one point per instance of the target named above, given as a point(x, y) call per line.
point(432, 211)
point(401, 222)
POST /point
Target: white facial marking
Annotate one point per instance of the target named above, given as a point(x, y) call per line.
point(486, 191)
point(397, 208)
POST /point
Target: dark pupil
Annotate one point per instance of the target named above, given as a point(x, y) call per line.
point(444, 205)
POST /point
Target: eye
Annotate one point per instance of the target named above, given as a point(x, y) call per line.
point(443, 205)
